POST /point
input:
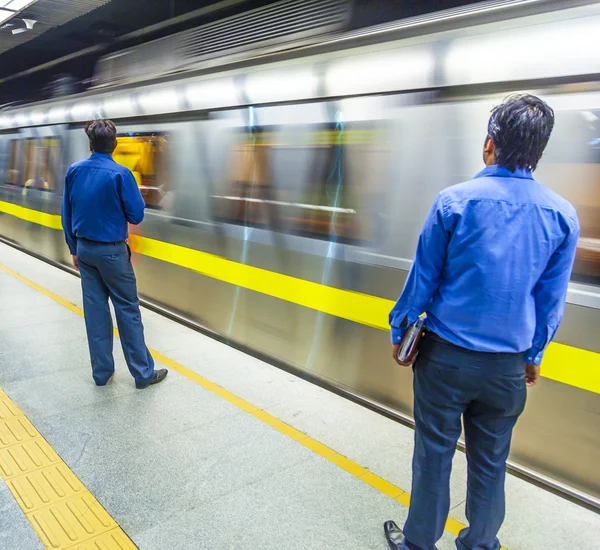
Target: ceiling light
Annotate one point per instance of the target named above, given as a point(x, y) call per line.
point(5, 15)
point(557, 49)
point(161, 100)
point(18, 5)
point(212, 93)
point(58, 114)
point(5, 121)
point(21, 118)
point(29, 23)
point(118, 106)
point(298, 83)
point(85, 110)
point(392, 70)
point(19, 31)
point(38, 117)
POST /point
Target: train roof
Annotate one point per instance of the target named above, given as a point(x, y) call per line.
point(520, 42)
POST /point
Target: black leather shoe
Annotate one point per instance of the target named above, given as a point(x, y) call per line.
point(109, 381)
point(394, 535)
point(159, 376)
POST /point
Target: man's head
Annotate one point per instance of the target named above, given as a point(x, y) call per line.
point(102, 135)
point(518, 132)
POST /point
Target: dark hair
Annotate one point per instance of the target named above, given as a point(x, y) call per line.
point(520, 129)
point(102, 135)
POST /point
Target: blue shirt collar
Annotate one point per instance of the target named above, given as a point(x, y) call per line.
point(101, 156)
point(497, 171)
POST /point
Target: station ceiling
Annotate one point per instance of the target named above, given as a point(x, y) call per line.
point(24, 20)
point(68, 36)
point(66, 26)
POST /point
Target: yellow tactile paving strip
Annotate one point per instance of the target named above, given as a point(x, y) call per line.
point(62, 512)
point(389, 489)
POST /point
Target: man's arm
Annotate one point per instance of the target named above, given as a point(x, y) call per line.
point(67, 222)
point(132, 200)
point(425, 273)
point(550, 294)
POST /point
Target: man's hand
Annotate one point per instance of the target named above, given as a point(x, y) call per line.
point(76, 263)
point(409, 363)
point(532, 374)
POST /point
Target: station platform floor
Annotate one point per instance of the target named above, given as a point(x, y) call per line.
point(228, 452)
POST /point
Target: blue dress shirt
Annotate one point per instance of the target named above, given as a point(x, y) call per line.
point(492, 266)
point(100, 197)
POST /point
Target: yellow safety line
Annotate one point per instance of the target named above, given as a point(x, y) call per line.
point(61, 510)
point(452, 526)
point(565, 364)
point(34, 216)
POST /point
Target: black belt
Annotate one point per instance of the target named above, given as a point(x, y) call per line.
point(441, 340)
point(99, 242)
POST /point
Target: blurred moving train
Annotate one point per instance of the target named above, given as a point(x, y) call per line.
point(287, 181)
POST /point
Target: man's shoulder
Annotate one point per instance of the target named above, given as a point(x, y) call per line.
point(467, 190)
point(77, 165)
point(107, 164)
point(532, 192)
point(557, 202)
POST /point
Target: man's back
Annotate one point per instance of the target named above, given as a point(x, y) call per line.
point(100, 198)
point(103, 197)
point(503, 230)
point(491, 270)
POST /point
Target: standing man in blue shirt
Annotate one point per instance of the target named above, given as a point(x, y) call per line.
point(100, 198)
point(491, 272)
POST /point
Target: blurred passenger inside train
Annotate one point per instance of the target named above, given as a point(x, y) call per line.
point(491, 271)
point(145, 156)
point(101, 197)
point(37, 166)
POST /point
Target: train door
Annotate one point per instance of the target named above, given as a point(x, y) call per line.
point(12, 160)
point(422, 164)
point(571, 167)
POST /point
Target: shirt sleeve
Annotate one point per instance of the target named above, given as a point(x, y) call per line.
point(425, 273)
point(133, 202)
point(66, 217)
point(550, 294)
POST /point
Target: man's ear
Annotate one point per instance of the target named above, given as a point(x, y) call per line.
point(489, 152)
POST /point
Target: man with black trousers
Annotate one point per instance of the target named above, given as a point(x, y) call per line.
point(101, 197)
point(491, 272)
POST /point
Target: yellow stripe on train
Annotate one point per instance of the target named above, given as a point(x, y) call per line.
point(565, 364)
point(354, 306)
point(41, 218)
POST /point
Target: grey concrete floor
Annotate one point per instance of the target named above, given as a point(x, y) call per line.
point(180, 468)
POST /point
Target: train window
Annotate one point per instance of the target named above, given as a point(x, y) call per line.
point(42, 156)
point(146, 156)
point(571, 167)
point(310, 181)
point(13, 167)
point(250, 196)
